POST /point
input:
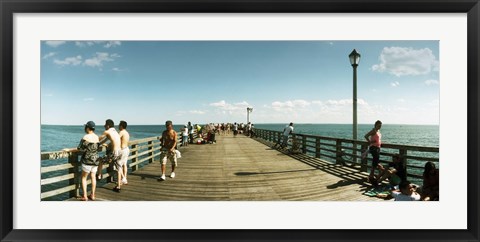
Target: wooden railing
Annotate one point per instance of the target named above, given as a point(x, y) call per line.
point(348, 151)
point(64, 177)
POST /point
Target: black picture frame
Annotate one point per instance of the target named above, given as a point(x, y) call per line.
point(9, 7)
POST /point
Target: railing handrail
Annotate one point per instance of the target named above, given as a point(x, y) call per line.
point(150, 148)
point(335, 151)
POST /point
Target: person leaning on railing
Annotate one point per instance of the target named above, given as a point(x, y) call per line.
point(88, 145)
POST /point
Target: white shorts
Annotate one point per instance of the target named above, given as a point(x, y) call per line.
point(123, 158)
point(89, 169)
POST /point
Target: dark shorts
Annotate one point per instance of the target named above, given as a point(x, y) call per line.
point(375, 151)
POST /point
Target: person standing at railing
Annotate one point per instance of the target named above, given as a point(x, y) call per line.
point(235, 129)
point(88, 145)
point(113, 151)
point(190, 132)
point(124, 139)
point(185, 136)
point(168, 143)
point(374, 138)
point(286, 132)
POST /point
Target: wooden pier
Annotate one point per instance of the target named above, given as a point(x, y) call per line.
point(238, 169)
point(242, 169)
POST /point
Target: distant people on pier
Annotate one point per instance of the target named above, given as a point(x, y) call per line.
point(395, 173)
point(407, 192)
point(190, 132)
point(168, 141)
point(185, 135)
point(287, 131)
point(431, 181)
point(235, 129)
point(248, 129)
point(123, 161)
point(252, 131)
point(113, 152)
point(374, 138)
point(89, 160)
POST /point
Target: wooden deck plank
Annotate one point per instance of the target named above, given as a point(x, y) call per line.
point(242, 169)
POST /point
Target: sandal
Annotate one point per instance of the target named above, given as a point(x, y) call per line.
point(83, 199)
point(91, 197)
point(116, 189)
point(99, 177)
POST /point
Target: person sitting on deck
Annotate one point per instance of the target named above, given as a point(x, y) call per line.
point(430, 188)
point(395, 173)
point(407, 192)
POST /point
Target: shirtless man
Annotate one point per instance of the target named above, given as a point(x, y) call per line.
point(168, 143)
point(124, 138)
point(113, 149)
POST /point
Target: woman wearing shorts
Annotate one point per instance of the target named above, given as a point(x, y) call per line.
point(89, 145)
point(374, 138)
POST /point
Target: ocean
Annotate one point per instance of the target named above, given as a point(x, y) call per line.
point(57, 137)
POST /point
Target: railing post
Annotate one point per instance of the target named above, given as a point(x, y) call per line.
point(403, 155)
point(150, 153)
point(304, 144)
point(135, 157)
point(364, 161)
point(317, 147)
point(73, 159)
point(339, 152)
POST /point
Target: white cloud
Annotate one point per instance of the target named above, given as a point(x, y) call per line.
point(401, 100)
point(89, 99)
point(289, 105)
point(51, 54)
point(75, 61)
point(84, 43)
point(431, 82)
point(395, 84)
point(400, 61)
point(110, 44)
point(54, 43)
point(99, 59)
point(222, 105)
point(105, 44)
point(196, 112)
point(118, 69)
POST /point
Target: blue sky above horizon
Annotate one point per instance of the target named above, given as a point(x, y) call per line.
point(148, 82)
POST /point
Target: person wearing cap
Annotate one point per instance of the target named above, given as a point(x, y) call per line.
point(89, 160)
point(168, 143)
point(113, 150)
point(124, 139)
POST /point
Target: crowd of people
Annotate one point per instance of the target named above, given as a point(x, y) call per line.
point(396, 174)
point(116, 156)
point(117, 153)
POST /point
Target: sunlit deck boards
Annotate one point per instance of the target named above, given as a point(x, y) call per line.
point(242, 169)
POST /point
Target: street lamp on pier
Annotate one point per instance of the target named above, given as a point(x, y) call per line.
point(354, 60)
point(249, 110)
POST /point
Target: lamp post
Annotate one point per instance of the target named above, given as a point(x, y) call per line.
point(249, 110)
point(354, 59)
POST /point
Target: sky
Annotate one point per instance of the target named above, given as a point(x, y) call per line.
point(149, 82)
